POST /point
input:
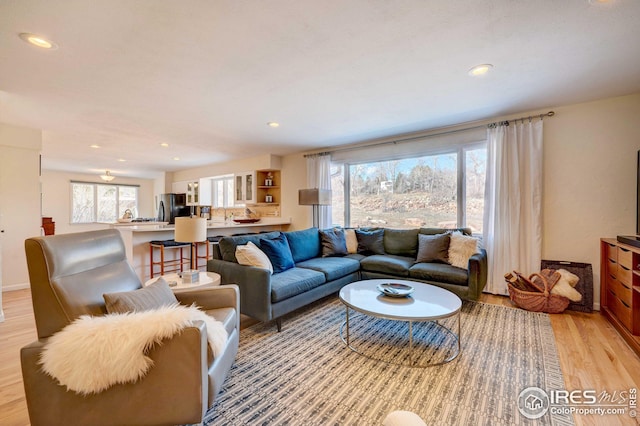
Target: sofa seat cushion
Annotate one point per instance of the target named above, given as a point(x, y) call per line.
point(388, 264)
point(332, 267)
point(439, 272)
point(356, 256)
point(293, 282)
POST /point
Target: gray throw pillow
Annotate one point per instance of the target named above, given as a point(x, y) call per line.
point(433, 248)
point(370, 242)
point(334, 242)
point(153, 296)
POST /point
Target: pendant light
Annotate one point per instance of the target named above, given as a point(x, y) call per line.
point(107, 177)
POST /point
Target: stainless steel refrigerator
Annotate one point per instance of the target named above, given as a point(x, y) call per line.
point(171, 206)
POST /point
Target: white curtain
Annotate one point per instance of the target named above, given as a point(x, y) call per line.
point(319, 176)
point(513, 198)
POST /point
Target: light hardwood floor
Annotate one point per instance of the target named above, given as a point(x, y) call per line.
point(592, 356)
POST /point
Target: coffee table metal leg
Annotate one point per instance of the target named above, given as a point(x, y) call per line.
point(411, 342)
point(348, 343)
point(459, 335)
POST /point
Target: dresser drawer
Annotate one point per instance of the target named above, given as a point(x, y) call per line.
point(620, 310)
point(611, 252)
point(625, 275)
point(612, 268)
point(625, 258)
point(621, 291)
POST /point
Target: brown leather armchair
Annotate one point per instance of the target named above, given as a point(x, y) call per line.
point(69, 273)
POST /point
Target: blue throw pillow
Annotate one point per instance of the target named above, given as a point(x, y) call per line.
point(278, 252)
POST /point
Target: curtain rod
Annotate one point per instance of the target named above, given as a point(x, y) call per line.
point(448, 132)
point(515, 120)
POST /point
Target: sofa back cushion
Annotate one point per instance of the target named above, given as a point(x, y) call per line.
point(401, 242)
point(434, 231)
point(304, 244)
point(227, 245)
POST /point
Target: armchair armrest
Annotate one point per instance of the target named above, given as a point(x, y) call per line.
point(478, 271)
point(224, 296)
point(254, 285)
point(174, 391)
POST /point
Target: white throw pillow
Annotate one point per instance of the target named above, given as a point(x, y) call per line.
point(251, 255)
point(461, 248)
point(352, 240)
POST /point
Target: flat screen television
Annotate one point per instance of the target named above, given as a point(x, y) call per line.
point(634, 240)
point(638, 196)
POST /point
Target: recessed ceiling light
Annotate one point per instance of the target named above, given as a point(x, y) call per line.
point(94, 146)
point(37, 40)
point(176, 158)
point(273, 124)
point(164, 144)
point(480, 70)
point(121, 160)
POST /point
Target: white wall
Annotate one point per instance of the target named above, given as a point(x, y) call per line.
point(294, 177)
point(56, 198)
point(590, 155)
point(19, 201)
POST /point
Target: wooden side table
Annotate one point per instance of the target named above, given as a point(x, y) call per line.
point(206, 279)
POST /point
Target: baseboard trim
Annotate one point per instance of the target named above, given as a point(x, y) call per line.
point(14, 287)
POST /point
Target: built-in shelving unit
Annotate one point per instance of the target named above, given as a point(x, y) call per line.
point(264, 191)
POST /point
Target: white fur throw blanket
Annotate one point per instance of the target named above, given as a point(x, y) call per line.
point(94, 353)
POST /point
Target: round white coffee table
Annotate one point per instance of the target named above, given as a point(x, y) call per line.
point(426, 303)
point(206, 279)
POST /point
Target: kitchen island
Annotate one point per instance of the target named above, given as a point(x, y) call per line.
point(137, 236)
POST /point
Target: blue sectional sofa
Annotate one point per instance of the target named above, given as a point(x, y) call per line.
point(265, 296)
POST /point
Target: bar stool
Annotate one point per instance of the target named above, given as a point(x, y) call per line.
point(174, 265)
point(215, 247)
point(207, 254)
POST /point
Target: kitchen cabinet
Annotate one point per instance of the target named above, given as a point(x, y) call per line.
point(245, 188)
point(179, 187)
point(268, 187)
point(199, 193)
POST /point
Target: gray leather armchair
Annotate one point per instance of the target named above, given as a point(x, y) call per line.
point(69, 273)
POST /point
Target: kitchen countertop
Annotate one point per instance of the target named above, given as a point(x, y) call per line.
point(213, 224)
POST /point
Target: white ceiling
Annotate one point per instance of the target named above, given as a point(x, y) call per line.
point(206, 76)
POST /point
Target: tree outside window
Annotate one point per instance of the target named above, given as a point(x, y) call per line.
point(94, 202)
point(413, 192)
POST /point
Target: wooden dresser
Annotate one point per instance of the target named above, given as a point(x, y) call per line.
point(620, 288)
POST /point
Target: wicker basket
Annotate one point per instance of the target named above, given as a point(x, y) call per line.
point(537, 301)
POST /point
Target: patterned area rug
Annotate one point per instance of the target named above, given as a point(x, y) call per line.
point(305, 375)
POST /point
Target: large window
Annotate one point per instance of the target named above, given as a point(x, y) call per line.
point(444, 189)
point(95, 202)
point(223, 191)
